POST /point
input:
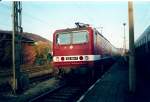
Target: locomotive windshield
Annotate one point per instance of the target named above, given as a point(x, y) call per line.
point(72, 37)
point(63, 38)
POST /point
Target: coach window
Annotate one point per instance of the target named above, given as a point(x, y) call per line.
point(95, 37)
point(140, 42)
point(144, 39)
point(148, 40)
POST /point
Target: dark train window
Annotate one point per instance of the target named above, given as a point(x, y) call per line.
point(144, 39)
point(9, 37)
point(95, 37)
point(148, 40)
point(140, 42)
point(149, 37)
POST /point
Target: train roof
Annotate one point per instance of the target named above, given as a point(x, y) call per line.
point(146, 32)
point(72, 29)
point(82, 28)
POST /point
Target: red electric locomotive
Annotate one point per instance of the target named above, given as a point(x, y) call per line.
point(80, 50)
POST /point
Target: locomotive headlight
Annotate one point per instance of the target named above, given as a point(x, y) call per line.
point(86, 58)
point(57, 59)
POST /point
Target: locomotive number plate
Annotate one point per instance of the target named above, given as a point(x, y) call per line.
point(71, 58)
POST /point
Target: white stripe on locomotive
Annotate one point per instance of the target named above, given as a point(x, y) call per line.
point(85, 58)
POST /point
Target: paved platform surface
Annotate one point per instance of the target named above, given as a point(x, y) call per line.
point(113, 87)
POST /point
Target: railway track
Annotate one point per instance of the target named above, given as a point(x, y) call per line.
point(65, 93)
point(69, 92)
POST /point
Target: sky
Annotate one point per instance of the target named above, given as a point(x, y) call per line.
point(43, 18)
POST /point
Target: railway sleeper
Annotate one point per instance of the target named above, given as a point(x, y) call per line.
point(63, 94)
point(52, 100)
point(59, 97)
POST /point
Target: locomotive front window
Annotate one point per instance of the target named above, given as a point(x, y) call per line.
point(75, 37)
point(79, 37)
point(63, 38)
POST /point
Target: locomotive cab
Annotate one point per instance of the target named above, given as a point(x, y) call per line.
point(74, 43)
point(72, 48)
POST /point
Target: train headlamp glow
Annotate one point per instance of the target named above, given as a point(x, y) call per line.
point(57, 58)
point(86, 58)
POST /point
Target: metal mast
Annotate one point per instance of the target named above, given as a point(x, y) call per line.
point(16, 42)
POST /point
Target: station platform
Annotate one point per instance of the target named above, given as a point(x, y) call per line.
point(113, 87)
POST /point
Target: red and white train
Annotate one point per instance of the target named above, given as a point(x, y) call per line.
point(81, 49)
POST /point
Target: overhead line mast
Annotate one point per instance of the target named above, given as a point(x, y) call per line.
point(16, 42)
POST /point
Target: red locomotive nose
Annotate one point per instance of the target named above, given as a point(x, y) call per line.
point(81, 58)
point(62, 58)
